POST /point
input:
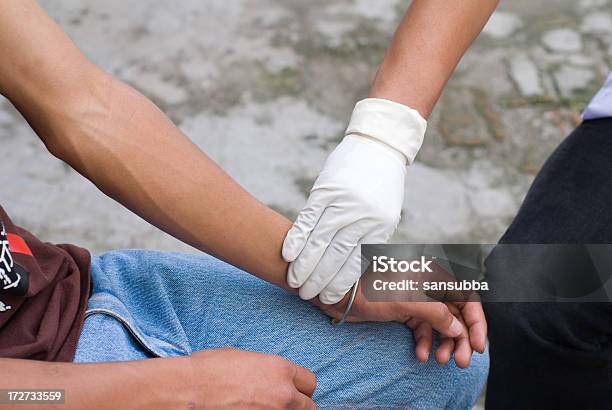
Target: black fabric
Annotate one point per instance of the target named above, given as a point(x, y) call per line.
point(558, 355)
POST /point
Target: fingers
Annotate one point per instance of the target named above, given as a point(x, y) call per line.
point(445, 349)
point(439, 316)
point(423, 337)
point(302, 227)
point(463, 349)
point(319, 239)
point(305, 380)
point(344, 279)
point(333, 259)
point(463, 352)
point(455, 336)
point(302, 402)
point(460, 345)
point(474, 318)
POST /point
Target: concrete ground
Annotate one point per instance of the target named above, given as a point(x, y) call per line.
point(266, 87)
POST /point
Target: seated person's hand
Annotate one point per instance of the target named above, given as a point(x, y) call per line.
point(461, 325)
point(233, 378)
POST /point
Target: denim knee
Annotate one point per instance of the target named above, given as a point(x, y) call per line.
point(468, 383)
point(449, 387)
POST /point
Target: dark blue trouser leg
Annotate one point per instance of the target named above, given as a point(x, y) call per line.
point(547, 355)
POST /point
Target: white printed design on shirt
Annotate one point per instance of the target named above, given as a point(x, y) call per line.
point(4, 307)
point(6, 263)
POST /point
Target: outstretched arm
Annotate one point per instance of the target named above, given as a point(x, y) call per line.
point(128, 148)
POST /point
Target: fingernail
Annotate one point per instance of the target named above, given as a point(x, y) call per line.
point(486, 345)
point(456, 327)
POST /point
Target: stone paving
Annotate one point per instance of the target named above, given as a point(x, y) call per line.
point(266, 88)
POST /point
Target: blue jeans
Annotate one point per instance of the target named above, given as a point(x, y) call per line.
point(146, 304)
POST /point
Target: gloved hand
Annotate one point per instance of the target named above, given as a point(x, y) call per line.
point(356, 199)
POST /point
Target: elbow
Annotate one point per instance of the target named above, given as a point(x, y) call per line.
point(61, 143)
point(55, 147)
point(70, 132)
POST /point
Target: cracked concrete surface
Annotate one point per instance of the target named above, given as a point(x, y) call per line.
point(266, 88)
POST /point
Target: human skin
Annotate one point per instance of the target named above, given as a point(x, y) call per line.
point(358, 195)
point(130, 150)
point(218, 378)
point(427, 46)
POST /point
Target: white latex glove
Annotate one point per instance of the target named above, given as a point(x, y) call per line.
point(356, 199)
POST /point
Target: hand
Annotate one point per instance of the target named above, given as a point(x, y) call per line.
point(461, 325)
point(239, 379)
point(356, 199)
point(472, 338)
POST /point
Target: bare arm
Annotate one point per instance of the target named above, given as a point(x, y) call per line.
point(129, 149)
point(119, 378)
point(215, 378)
point(428, 44)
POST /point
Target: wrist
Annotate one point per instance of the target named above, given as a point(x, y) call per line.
point(127, 385)
point(406, 93)
point(395, 125)
point(337, 310)
point(379, 145)
point(165, 383)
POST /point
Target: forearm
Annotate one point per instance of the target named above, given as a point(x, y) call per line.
point(129, 149)
point(133, 153)
point(125, 385)
point(426, 48)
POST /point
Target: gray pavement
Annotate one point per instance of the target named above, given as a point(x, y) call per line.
point(266, 88)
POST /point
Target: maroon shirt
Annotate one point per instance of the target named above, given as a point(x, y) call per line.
point(44, 290)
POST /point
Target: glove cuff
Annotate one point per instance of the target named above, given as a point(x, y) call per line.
point(389, 122)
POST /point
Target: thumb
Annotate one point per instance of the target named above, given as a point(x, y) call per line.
point(302, 227)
